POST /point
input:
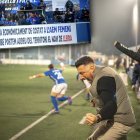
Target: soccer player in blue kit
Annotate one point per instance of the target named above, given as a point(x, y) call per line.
point(60, 87)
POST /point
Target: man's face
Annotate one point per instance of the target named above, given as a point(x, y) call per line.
point(86, 71)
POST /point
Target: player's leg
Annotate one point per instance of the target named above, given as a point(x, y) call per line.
point(64, 98)
point(62, 88)
point(54, 99)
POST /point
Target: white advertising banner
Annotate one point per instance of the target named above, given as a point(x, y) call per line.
point(37, 35)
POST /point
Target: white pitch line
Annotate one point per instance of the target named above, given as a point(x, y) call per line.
point(42, 118)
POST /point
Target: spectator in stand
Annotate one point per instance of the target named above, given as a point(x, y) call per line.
point(15, 16)
point(85, 14)
point(69, 5)
point(69, 16)
point(28, 5)
point(77, 15)
point(42, 19)
point(21, 9)
point(33, 18)
point(2, 16)
point(8, 16)
point(2, 7)
point(22, 6)
point(42, 5)
point(2, 12)
point(125, 50)
point(57, 15)
point(22, 20)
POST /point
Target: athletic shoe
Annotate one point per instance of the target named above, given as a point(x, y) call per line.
point(69, 100)
point(55, 112)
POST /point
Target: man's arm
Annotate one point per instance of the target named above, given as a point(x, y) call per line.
point(125, 50)
point(106, 88)
point(37, 76)
point(62, 65)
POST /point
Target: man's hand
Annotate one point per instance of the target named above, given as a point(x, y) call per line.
point(91, 119)
point(32, 77)
point(116, 43)
point(37, 76)
point(62, 66)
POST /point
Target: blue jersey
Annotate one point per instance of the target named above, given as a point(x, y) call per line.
point(55, 75)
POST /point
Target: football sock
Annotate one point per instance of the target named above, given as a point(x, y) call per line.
point(54, 102)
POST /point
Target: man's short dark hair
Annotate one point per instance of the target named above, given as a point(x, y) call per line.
point(84, 60)
point(51, 66)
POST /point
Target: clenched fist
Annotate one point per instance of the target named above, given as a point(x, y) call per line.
point(91, 119)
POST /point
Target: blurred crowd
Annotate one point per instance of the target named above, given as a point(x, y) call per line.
point(132, 71)
point(30, 14)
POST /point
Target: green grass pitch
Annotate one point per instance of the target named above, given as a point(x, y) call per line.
point(23, 101)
